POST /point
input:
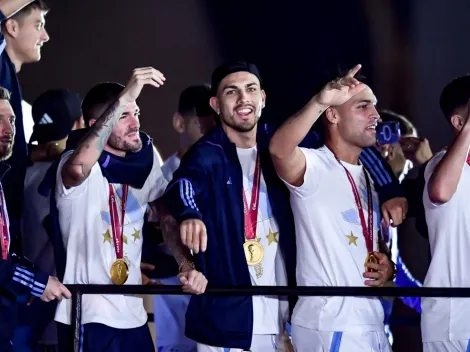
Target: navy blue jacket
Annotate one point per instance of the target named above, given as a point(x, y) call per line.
point(18, 277)
point(208, 186)
point(13, 182)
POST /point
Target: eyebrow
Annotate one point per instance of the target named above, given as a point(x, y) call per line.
point(235, 87)
point(368, 101)
point(127, 112)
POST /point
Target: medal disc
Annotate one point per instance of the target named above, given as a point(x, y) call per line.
point(119, 272)
point(371, 258)
point(254, 252)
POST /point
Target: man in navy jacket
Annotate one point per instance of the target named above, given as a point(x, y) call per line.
point(218, 189)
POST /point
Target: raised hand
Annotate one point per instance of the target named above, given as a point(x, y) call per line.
point(141, 77)
point(339, 91)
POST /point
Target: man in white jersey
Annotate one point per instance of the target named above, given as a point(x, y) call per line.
point(103, 188)
point(337, 219)
point(445, 321)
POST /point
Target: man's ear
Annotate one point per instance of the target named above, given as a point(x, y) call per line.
point(457, 121)
point(12, 27)
point(178, 123)
point(331, 115)
point(214, 103)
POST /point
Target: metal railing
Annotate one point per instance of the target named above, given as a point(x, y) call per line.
point(79, 290)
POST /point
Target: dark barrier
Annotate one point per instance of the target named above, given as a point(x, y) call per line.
point(79, 290)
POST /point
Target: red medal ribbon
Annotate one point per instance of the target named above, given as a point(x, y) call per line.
point(468, 159)
point(117, 229)
point(4, 233)
point(251, 214)
point(368, 232)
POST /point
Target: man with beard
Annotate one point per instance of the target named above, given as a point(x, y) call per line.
point(337, 218)
point(227, 186)
point(18, 276)
point(103, 187)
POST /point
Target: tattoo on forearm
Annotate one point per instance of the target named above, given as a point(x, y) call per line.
point(171, 236)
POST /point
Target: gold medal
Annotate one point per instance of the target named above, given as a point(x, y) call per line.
point(119, 272)
point(371, 258)
point(254, 252)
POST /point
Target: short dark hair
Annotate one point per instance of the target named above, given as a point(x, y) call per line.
point(455, 95)
point(194, 101)
point(406, 126)
point(4, 94)
point(26, 11)
point(100, 95)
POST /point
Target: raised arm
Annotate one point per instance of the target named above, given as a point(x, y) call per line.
point(10, 7)
point(288, 160)
point(79, 165)
point(446, 176)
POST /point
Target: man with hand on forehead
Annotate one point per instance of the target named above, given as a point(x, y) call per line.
point(337, 218)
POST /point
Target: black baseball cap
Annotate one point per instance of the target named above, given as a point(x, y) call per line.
point(54, 113)
point(224, 70)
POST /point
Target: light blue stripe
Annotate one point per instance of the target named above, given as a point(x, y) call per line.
point(182, 193)
point(372, 168)
point(226, 349)
point(24, 271)
point(468, 346)
point(336, 341)
point(380, 164)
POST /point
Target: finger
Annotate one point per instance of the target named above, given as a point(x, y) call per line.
point(381, 257)
point(192, 277)
point(183, 234)
point(374, 283)
point(352, 72)
point(203, 239)
point(147, 266)
point(196, 238)
point(385, 216)
point(64, 291)
point(372, 266)
point(158, 77)
point(189, 234)
point(372, 275)
point(397, 216)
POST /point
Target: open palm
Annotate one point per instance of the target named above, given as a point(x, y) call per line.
point(339, 91)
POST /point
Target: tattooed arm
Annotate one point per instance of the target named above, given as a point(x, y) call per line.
point(171, 233)
point(288, 158)
point(78, 167)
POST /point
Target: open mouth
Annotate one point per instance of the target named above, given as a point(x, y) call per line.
point(244, 111)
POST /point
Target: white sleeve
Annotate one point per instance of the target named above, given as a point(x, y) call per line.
point(73, 192)
point(312, 175)
point(157, 181)
point(428, 171)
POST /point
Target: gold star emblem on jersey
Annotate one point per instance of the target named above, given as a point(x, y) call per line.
point(107, 237)
point(258, 239)
point(124, 239)
point(272, 237)
point(352, 239)
point(136, 235)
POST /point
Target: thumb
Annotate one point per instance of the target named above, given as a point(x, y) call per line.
point(381, 257)
point(183, 279)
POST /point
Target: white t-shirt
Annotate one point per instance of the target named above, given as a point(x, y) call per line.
point(331, 249)
point(445, 319)
point(86, 228)
point(170, 166)
point(268, 312)
point(36, 244)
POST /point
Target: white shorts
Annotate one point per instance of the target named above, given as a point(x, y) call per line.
point(447, 346)
point(308, 340)
point(259, 343)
